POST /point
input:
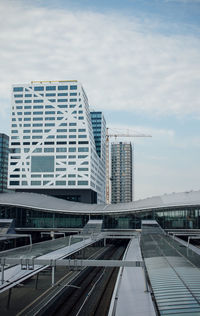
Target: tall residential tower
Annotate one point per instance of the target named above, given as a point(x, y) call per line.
point(52, 142)
point(121, 172)
point(4, 151)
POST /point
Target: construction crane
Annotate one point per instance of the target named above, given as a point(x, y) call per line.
point(108, 157)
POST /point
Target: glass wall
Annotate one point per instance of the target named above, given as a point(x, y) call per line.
point(185, 218)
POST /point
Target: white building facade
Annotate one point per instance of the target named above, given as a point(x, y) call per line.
point(52, 142)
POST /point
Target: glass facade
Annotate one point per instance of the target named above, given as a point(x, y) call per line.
point(4, 150)
point(172, 218)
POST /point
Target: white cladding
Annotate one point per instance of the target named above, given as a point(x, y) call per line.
point(52, 143)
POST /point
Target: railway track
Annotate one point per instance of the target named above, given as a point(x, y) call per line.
point(90, 292)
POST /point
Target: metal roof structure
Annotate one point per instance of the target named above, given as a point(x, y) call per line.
point(51, 204)
point(173, 273)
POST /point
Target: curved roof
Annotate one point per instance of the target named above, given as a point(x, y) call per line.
point(48, 203)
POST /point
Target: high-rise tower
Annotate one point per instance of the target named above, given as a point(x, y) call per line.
point(4, 151)
point(121, 172)
point(52, 142)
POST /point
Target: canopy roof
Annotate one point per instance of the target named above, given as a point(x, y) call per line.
point(48, 203)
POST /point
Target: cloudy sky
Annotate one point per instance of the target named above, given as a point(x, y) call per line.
point(139, 62)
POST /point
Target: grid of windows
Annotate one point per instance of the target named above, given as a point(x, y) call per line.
point(58, 111)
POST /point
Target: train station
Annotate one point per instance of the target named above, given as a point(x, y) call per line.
point(67, 258)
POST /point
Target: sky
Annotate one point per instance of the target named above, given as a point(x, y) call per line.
point(139, 63)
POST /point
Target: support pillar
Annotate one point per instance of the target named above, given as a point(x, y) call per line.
point(2, 273)
point(36, 281)
point(9, 297)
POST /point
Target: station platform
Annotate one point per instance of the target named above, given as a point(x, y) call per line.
point(130, 296)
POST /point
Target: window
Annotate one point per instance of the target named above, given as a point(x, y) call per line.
point(72, 124)
point(50, 94)
point(49, 112)
point(38, 106)
point(14, 182)
point(37, 137)
point(61, 157)
point(62, 87)
point(61, 149)
point(37, 113)
point(60, 182)
point(71, 149)
point(27, 107)
point(61, 130)
point(49, 124)
point(62, 106)
point(42, 164)
point(28, 101)
point(28, 95)
point(49, 107)
point(50, 88)
point(18, 95)
point(82, 182)
point(83, 149)
point(61, 136)
point(38, 101)
point(37, 150)
point(16, 89)
point(18, 101)
point(62, 100)
point(37, 119)
point(61, 143)
point(73, 94)
point(62, 94)
point(39, 88)
point(73, 87)
point(37, 124)
point(71, 182)
point(37, 131)
point(73, 100)
point(35, 182)
point(50, 118)
point(48, 150)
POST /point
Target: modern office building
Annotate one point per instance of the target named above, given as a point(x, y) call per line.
point(52, 142)
point(99, 130)
point(4, 151)
point(121, 172)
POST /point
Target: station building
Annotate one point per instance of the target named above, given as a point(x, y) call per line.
point(52, 143)
point(38, 212)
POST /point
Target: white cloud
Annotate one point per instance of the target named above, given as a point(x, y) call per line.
point(122, 62)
